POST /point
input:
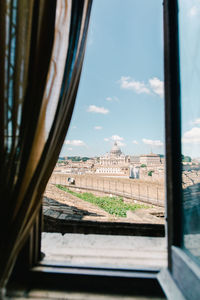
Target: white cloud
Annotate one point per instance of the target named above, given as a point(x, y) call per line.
point(194, 10)
point(154, 86)
point(135, 142)
point(196, 122)
point(75, 142)
point(157, 143)
point(98, 127)
point(136, 86)
point(112, 99)
point(120, 144)
point(70, 149)
point(96, 109)
point(192, 136)
point(157, 86)
point(74, 127)
point(116, 138)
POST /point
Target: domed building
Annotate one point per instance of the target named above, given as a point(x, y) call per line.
point(113, 162)
point(115, 151)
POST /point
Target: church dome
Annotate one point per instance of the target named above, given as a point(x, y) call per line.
point(115, 150)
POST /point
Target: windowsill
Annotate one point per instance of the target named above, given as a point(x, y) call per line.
point(119, 280)
point(127, 252)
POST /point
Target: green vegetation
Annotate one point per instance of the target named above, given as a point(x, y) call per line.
point(150, 173)
point(186, 158)
point(85, 158)
point(112, 205)
point(78, 158)
point(143, 166)
point(60, 160)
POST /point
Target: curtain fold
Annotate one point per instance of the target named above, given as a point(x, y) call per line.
point(42, 48)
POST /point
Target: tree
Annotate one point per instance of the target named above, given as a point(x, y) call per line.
point(186, 158)
point(150, 173)
point(143, 166)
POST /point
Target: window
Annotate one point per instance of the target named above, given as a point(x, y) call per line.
point(118, 116)
point(182, 276)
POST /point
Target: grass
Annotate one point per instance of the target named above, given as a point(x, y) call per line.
point(113, 205)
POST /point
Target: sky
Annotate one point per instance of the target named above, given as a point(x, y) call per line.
point(120, 96)
point(189, 32)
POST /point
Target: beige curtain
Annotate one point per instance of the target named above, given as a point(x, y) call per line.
point(42, 46)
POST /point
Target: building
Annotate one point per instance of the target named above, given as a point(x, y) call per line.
point(150, 159)
point(135, 160)
point(113, 162)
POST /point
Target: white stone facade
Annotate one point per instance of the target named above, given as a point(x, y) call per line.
point(111, 170)
point(114, 162)
point(150, 159)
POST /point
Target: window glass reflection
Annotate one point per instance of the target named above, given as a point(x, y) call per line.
point(189, 31)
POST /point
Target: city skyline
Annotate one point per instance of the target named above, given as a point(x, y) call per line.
point(111, 146)
point(120, 97)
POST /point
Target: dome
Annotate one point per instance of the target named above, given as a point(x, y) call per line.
point(115, 150)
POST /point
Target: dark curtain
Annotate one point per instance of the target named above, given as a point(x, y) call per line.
point(42, 44)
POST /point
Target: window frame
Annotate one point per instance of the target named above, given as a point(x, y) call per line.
point(183, 272)
point(172, 127)
point(131, 281)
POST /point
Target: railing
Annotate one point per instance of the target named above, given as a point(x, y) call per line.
point(143, 192)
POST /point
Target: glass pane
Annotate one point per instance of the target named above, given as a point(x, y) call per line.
point(115, 141)
point(189, 31)
point(111, 168)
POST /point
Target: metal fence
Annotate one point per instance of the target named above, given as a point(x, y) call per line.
point(144, 192)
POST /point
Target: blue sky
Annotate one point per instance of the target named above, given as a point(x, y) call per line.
point(189, 30)
point(120, 95)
